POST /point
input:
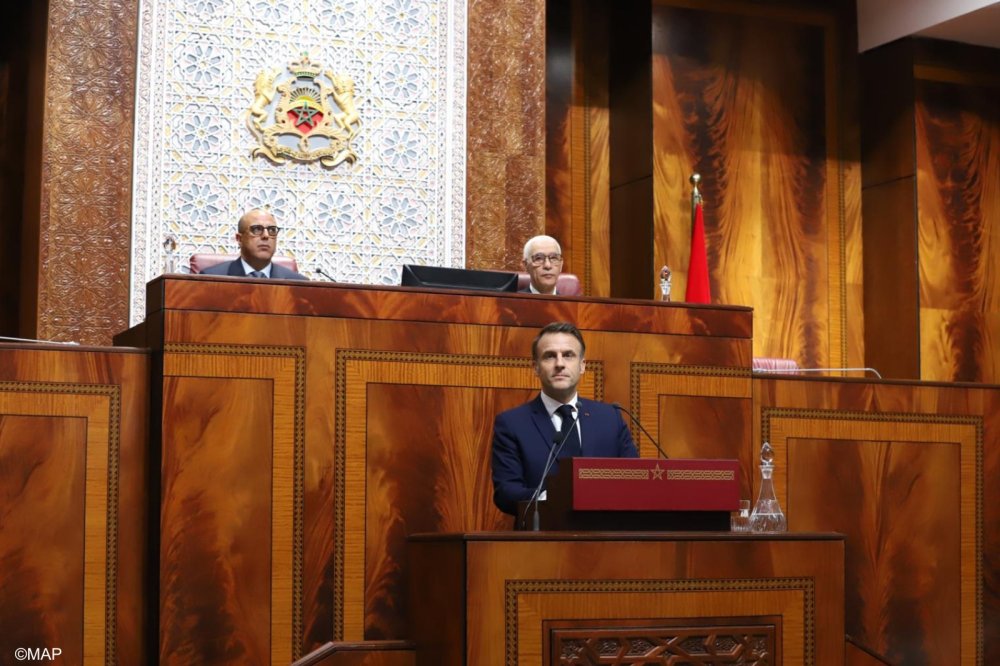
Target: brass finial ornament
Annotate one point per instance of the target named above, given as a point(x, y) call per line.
point(313, 120)
point(695, 192)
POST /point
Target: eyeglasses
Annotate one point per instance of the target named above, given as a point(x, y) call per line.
point(259, 229)
point(539, 259)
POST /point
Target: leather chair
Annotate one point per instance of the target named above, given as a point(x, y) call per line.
point(201, 261)
point(568, 284)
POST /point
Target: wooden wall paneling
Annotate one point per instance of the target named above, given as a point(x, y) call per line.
point(632, 275)
point(695, 413)
point(766, 130)
point(957, 138)
point(232, 480)
point(72, 460)
point(891, 302)
point(891, 334)
point(845, 113)
point(592, 149)
point(631, 151)
point(399, 391)
point(523, 591)
point(901, 470)
point(577, 146)
point(560, 124)
point(505, 177)
point(36, 53)
point(84, 250)
point(14, 96)
point(887, 120)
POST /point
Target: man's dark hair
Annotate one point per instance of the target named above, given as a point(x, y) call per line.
point(558, 327)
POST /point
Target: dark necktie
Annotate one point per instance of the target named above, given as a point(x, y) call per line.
point(572, 446)
point(257, 274)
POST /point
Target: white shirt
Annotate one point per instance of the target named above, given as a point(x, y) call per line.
point(551, 405)
point(247, 268)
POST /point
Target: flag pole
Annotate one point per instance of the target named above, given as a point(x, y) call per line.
point(699, 289)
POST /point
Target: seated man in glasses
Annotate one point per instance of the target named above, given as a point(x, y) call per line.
point(543, 262)
point(257, 235)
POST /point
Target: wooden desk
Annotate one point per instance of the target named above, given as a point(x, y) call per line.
point(308, 428)
point(534, 599)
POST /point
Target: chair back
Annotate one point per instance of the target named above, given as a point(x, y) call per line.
point(568, 284)
point(203, 260)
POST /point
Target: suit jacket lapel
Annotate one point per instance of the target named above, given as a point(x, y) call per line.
point(543, 422)
point(236, 268)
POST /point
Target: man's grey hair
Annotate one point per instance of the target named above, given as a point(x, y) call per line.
point(532, 241)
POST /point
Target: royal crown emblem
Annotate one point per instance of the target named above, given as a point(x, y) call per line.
point(293, 116)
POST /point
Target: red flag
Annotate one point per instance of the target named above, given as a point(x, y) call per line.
point(698, 289)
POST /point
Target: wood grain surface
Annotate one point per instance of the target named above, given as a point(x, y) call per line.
point(957, 144)
point(389, 397)
point(517, 589)
point(764, 129)
point(906, 472)
point(73, 502)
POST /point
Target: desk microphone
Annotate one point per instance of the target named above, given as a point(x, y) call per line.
point(553, 455)
point(645, 432)
point(323, 273)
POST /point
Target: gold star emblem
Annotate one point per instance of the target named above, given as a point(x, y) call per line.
point(657, 473)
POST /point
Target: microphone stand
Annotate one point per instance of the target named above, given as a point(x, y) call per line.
point(553, 456)
point(644, 431)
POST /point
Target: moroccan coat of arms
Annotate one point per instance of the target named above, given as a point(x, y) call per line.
point(307, 114)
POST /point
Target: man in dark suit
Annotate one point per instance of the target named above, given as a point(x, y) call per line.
point(523, 436)
point(257, 234)
point(543, 262)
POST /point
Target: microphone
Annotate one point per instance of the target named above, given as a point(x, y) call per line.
point(323, 273)
point(644, 431)
point(553, 456)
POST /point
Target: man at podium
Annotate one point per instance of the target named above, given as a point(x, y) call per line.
point(557, 422)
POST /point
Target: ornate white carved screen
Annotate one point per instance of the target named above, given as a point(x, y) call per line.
point(403, 201)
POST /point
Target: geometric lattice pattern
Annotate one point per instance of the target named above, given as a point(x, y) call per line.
point(753, 646)
point(403, 201)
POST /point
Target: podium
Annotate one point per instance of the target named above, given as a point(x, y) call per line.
point(611, 494)
point(501, 598)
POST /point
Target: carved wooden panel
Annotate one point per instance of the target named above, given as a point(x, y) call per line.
point(957, 135)
point(86, 163)
point(506, 130)
point(517, 589)
point(705, 641)
point(765, 129)
point(72, 470)
point(891, 467)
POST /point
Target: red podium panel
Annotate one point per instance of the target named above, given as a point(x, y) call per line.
point(647, 484)
point(638, 494)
